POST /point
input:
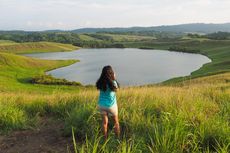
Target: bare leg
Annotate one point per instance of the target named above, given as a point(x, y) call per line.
point(105, 125)
point(116, 125)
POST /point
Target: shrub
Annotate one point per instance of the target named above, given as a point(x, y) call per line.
point(49, 80)
point(183, 49)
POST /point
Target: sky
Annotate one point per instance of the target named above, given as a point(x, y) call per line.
point(74, 14)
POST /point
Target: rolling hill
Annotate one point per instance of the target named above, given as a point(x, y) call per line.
point(31, 47)
point(192, 28)
point(180, 28)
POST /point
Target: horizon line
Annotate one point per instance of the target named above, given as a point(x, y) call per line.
point(116, 27)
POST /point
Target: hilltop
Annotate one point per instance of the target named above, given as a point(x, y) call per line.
point(31, 47)
point(184, 28)
point(190, 114)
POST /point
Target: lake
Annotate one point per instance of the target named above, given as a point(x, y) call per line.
point(132, 66)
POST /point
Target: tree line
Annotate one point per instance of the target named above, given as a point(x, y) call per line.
point(215, 36)
point(100, 40)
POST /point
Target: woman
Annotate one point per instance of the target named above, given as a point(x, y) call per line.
point(107, 102)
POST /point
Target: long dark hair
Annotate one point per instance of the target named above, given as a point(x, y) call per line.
point(107, 78)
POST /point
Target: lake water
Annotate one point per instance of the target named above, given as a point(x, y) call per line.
point(132, 66)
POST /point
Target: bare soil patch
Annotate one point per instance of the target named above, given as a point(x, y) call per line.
point(47, 137)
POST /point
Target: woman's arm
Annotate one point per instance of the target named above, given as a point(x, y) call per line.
point(116, 85)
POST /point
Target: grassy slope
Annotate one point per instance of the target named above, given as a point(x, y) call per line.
point(31, 47)
point(123, 37)
point(7, 42)
point(17, 70)
point(190, 117)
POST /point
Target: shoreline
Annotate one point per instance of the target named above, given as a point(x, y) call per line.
point(148, 84)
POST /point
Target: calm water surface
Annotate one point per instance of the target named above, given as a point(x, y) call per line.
point(132, 66)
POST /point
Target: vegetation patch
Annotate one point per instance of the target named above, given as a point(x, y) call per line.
point(50, 80)
point(184, 49)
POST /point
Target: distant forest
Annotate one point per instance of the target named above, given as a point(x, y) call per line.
point(118, 37)
point(105, 39)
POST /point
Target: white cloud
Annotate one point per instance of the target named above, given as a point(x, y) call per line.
point(71, 14)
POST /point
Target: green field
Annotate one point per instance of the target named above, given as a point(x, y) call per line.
point(126, 37)
point(188, 116)
point(7, 42)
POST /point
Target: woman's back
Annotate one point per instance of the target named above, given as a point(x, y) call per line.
point(108, 98)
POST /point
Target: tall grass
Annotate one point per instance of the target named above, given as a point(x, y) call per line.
point(12, 118)
point(193, 117)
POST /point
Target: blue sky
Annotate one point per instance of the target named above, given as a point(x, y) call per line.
point(73, 14)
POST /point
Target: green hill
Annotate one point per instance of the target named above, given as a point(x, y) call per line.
point(16, 71)
point(192, 116)
point(193, 27)
point(32, 47)
point(188, 116)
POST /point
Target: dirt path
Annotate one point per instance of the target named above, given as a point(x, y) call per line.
point(46, 138)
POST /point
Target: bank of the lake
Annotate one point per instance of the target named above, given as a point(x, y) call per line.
point(17, 70)
point(133, 66)
point(217, 50)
